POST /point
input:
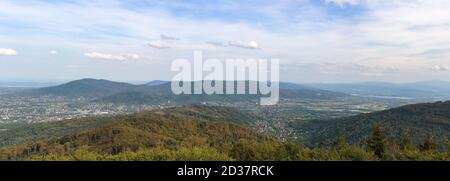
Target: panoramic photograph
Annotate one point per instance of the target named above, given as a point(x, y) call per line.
point(154, 80)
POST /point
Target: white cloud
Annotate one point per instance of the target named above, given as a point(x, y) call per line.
point(157, 44)
point(242, 44)
point(8, 52)
point(132, 56)
point(342, 3)
point(53, 52)
point(219, 44)
point(168, 37)
point(440, 68)
point(105, 56)
point(96, 55)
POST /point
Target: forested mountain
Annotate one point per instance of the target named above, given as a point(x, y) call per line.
point(159, 92)
point(162, 93)
point(84, 88)
point(185, 127)
point(419, 119)
point(222, 133)
point(199, 133)
point(23, 133)
point(101, 88)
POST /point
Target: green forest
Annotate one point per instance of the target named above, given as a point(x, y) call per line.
point(207, 133)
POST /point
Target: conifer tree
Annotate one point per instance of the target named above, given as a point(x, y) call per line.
point(377, 141)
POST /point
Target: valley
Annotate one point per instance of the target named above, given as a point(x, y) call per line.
point(304, 116)
point(90, 98)
point(189, 133)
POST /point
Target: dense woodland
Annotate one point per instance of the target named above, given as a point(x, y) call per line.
point(420, 120)
point(207, 133)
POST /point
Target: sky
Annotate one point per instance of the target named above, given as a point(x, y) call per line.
point(315, 40)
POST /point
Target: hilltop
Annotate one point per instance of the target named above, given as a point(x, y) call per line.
point(193, 127)
point(420, 119)
point(84, 88)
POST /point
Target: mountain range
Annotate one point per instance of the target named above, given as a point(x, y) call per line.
point(105, 90)
point(158, 92)
point(420, 119)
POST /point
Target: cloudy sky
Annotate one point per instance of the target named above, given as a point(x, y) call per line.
point(315, 40)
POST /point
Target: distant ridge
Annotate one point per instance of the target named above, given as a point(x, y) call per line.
point(85, 88)
point(162, 93)
point(156, 82)
point(158, 91)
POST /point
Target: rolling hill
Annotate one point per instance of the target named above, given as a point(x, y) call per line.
point(420, 119)
point(196, 133)
point(89, 88)
point(23, 133)
point(175, 128)
point(158, 92)
point(162, 93)
point(106, 91)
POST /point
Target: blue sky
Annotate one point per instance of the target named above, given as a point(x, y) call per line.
point(315, 40)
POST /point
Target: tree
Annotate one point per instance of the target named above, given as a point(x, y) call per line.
point(341, 141)
point(447, 143)
point(377, 141)
point(428, 144)
point(405, 139)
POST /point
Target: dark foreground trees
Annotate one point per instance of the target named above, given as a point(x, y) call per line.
point(156, 137)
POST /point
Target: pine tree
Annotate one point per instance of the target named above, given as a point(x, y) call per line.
point(377, 141)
